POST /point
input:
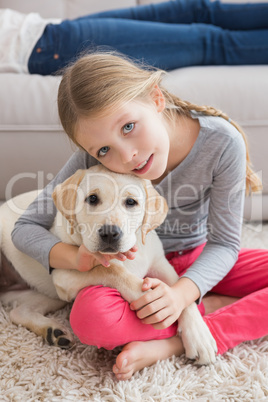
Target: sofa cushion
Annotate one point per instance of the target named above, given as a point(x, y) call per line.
point(30, 102)
point(33, 144)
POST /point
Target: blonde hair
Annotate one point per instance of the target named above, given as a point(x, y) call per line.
point(102, 81)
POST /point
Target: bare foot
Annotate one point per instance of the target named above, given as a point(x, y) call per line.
point(137, 355)
point(213, 302)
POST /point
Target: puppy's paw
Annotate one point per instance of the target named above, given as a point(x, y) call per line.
point(59, 337)
point(197, 339)
point(199, 346)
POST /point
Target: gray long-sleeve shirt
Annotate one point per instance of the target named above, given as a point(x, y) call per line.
point(205, 194)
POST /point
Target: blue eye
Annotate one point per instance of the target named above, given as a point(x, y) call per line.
point(128, 127)
point(103, 151)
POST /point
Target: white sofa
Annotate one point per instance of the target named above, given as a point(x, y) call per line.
point(33, 145)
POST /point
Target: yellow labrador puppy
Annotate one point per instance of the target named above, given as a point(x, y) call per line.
point(108, 213)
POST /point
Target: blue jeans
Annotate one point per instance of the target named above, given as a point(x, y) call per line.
point(167, 35)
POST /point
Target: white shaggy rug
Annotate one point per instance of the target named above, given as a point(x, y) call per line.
point(30, 370)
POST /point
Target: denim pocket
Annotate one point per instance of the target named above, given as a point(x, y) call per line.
point(44, 58)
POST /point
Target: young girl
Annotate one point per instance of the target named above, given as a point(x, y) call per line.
point(120, 115)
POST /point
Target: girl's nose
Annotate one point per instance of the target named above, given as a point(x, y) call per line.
point(127, 154)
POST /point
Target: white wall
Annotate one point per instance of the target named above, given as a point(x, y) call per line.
point(64, 8)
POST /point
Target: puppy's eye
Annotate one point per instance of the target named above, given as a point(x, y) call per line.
point(92, 199)
point(130, 202)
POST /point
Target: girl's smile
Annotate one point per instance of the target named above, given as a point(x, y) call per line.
point(143, 167)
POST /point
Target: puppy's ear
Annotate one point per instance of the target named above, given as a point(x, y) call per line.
point(64, 196)
point(156, 209)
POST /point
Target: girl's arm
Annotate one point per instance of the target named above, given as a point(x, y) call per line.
point(31, 232)
point(225, 218)
point(66, 256)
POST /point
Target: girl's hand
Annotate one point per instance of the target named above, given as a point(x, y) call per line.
point(160, 307)
point(85, 260)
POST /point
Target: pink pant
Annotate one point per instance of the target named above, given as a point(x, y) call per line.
point(101, 317)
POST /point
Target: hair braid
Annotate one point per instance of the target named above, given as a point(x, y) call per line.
point(253, 182)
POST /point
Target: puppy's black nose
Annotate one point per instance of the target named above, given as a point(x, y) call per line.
point(110, 233)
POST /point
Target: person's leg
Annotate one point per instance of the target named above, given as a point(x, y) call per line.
point(249, 274)
point(244, 294)
point(179, 11)
point(229, 16)
point(166, 46)
point(233, 16)
point(244, 320)
point(101, 317)
point(247, 318)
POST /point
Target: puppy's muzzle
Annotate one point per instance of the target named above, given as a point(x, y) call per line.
point(110, 236)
